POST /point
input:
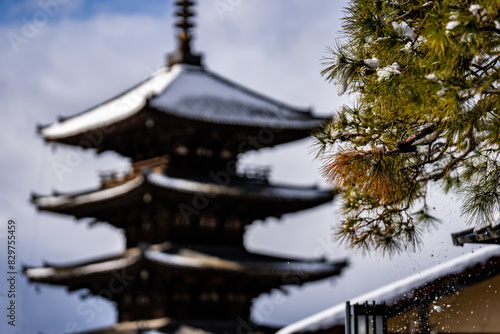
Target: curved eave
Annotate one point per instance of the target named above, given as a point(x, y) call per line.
point(309, 270)
point(171, 92)
point(117, 109)
point(221, 101)
point(304, 197)
point(304, 124)
point(167, 129)
point(242, 190)
point(170, 259)
point(62, 275)
point(65, 203)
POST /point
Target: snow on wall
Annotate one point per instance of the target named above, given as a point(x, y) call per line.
point(390, 293)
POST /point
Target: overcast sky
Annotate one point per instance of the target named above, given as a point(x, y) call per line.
point(59, 57)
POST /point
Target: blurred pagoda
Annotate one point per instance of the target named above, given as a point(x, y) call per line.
point(182, 205)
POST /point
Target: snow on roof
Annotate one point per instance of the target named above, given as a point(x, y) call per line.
point(92, 197)
point(189, 92)
point(243, 189)
point(167, 255)
point(201, 95)
point(200, 261)
point(137, 326)
point(390, 293)
point(92, 268)
point(116, 109)
point(248, 262)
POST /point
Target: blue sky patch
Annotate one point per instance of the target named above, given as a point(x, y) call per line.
point(15, 12)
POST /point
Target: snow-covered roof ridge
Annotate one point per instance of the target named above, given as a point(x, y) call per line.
point(256, 94)
point(170, 255)
point(90, 197)
point(248, 262)
point(116, 108)
point(205, 96)
point(124, 260)
point(403, 288)
point(188, 186)
point(189, 92)
point(203, 261)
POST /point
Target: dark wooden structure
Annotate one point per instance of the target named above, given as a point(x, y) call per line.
point(484, 235)
point(183, 282)
point(458, 296)
point(182, 204)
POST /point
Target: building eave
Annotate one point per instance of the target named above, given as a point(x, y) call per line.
point(485, 235)
point(401, 294)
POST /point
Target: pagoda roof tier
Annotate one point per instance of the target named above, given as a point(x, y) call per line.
point(278, 198)
point(166, 113)
point(184, 282)
point(153, 207)
point(171, 259)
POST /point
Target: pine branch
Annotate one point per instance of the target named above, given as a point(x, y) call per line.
point(437, 176)
point(428, 112)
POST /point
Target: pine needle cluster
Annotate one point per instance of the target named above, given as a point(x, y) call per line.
point(426, 77)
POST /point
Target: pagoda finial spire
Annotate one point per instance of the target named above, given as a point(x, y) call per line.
point(183, 53)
